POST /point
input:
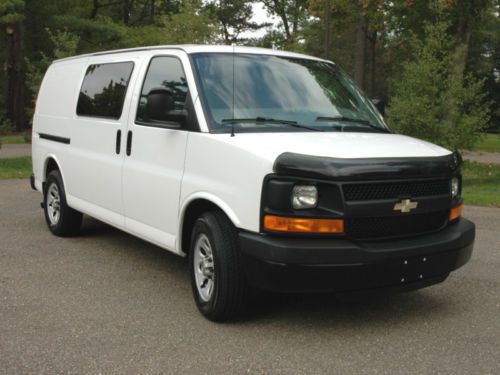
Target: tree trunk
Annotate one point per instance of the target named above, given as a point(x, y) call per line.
point(373, 44)
point(126, 12)
point(95, 9)
point(360, 51)
point(15, 78)
point(326, 37)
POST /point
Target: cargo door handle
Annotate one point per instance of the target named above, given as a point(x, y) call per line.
point(129, 143)
point(118, 141)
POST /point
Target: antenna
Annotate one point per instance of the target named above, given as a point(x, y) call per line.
point(232, 122)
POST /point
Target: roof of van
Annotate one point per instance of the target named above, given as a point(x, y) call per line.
point(197, 48)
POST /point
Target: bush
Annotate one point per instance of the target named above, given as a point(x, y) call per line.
point(434, 99)
point(6, 127)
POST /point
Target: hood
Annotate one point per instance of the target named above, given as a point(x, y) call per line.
point(334, 145)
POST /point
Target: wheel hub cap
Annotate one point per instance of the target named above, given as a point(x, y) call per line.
point(53, 204)
point(204, 271)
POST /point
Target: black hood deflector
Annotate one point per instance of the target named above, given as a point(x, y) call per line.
point(339, 169)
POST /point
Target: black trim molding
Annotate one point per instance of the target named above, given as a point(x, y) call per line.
point(339, 169)
point(54, 138)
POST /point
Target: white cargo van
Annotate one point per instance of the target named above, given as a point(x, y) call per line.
point(266, 169)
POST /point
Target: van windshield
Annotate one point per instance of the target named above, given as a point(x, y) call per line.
point(274, 93)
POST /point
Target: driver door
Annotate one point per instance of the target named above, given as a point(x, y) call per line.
point(154, 161)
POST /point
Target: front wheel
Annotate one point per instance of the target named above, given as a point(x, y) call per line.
point(61, 219)
point(218, 282)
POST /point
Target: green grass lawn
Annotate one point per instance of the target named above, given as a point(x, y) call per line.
point(490, 143)
point(15, 139)
point(481, 184)
point(15, 168)
point(481, 181)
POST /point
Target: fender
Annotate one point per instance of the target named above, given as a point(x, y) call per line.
point(209, 197)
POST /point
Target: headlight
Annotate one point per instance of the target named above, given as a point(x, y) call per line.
point(455, 187)
point(304, 196)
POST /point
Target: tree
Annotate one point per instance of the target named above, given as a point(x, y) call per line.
point(11, 20)
point(292, 13)
point(64, 45)
point(435, 101)
point(234, 18)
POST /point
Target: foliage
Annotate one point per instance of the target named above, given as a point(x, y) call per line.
point(11, 11)
point(234, 18)
point(432, 100)
point(372, 40)
point(64, 45)
point(6, 126)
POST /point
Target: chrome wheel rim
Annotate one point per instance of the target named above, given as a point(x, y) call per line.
point(53, 204)
point(204, 269)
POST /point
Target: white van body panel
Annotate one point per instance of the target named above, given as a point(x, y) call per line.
point(148, 192)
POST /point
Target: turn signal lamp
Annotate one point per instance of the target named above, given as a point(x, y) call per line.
point(456, 212)
point(301, 225)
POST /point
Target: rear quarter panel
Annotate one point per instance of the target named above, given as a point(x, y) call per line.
point(56, 105)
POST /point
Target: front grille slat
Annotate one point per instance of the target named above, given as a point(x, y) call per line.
point(394, 190)
point(395, 226)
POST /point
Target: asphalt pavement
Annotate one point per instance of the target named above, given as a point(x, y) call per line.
point(106, 302)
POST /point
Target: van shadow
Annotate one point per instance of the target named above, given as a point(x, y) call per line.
point(136, 252)
point(320, 310)
point(328, 310)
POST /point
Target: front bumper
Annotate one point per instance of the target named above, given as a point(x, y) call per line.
point(340, 265)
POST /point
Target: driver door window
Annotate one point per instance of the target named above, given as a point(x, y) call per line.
point(164, 93)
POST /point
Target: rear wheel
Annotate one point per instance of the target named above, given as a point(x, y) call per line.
point(61, 219)
point(219, 286)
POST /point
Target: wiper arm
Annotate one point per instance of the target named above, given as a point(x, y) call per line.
point(269, 121)
point(356, 120)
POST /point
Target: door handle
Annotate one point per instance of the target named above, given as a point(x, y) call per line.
point(129, 143)
point(118, 141)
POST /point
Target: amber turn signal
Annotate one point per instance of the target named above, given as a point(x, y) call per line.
point(300, 225)
point(456, 212)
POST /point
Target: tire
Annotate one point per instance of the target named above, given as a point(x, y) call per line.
point(214, 260)
point(61, 219)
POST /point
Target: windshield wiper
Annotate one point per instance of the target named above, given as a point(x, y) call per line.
point(356, 120)
point(269, 121)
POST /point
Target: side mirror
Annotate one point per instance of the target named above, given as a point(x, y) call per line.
point(380, 105)
point(160, 107)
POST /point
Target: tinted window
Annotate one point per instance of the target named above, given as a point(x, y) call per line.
point(103, 90)
point(164, 91)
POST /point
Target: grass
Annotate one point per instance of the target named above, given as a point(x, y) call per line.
point(15, 139)
point(481, 181)
point(490, 143)
point(15, 168)
point(481, 184)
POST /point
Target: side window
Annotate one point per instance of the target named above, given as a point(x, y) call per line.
point(103, 90)
point(164, 93)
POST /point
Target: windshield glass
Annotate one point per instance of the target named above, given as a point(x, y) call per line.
point(271, 92)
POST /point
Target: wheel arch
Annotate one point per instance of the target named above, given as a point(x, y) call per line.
point(50, 164)
point(192, 208)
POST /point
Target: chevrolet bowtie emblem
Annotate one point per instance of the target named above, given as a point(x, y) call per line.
point(405, 205)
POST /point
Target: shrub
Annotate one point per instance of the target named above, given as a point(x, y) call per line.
point(434, 99)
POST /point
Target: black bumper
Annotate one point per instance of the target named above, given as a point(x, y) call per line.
point(340, 265)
